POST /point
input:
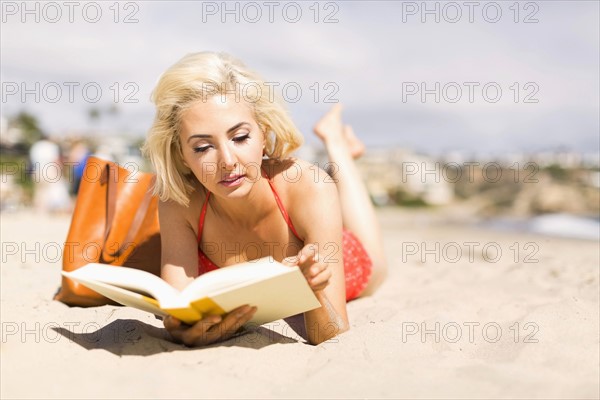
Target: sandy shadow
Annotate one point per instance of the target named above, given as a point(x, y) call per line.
point(130, 337)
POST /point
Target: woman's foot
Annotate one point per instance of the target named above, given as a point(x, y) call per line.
point(355, 146)
point(331, 130)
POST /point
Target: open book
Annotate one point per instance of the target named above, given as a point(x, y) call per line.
point(278, 291)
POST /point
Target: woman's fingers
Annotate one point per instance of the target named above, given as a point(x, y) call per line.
point(210, 329)
point(233, 322)
point(308, 253)
point(320, 281)
point(174, 327)
point(290, 261)
point(171, 322)
point(306, 256)
point(198, 333)
point(316, 271)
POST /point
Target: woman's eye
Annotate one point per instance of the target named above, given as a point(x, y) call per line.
point(237, 139)
point(241, 138)
point(201, 149)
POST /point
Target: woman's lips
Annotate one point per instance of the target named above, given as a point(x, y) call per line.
point(232, 181)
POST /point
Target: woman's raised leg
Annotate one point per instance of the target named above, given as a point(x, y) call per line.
point(358, 213)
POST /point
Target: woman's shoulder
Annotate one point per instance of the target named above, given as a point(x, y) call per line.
point(172, 210)
point(298, 178)
point(306, 190)
point(290, 172)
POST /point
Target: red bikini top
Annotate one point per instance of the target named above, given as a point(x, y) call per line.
point(204, 263)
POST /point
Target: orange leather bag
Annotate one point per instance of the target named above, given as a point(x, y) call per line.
point(115, 222)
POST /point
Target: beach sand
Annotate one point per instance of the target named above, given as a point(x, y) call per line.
point(496, 315)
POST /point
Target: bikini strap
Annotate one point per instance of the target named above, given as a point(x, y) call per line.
point(202, 215)
point(286, 216)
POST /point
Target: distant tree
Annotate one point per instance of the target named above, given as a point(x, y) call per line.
point(94, 114)
point(29, 126)
point(113, 110)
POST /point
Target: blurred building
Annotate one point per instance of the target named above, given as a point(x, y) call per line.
point(397, 176)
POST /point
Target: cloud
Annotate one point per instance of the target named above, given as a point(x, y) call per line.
point(369, 56)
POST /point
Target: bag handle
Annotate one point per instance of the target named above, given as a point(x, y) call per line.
point(111, 199)
point(110, 178)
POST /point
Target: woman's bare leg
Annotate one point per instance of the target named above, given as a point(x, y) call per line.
point(358, 213)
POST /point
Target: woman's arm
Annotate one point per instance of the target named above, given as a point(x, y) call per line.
point(179, 248)
point(179, 268)
point(315, 210)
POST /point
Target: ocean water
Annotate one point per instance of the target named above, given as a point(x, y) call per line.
point(559, 225)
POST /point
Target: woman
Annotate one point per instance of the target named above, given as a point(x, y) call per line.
point(220, 146)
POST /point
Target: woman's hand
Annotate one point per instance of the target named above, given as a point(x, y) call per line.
point(315, 270)
point(210, 329)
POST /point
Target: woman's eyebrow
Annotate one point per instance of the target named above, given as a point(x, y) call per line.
point(204, 136)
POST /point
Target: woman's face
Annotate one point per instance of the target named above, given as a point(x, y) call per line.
point(222, 144)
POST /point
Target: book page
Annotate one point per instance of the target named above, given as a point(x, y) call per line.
point(233, 276)
point(125, 297)
point(277, 297)
point(126, 278)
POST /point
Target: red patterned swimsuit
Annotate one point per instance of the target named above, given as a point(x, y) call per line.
point(357, 264)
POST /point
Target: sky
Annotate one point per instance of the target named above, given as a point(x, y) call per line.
point(433, 76)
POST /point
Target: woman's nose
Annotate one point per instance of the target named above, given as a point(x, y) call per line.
point(227, 159)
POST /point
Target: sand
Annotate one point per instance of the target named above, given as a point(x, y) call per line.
point(497, 327)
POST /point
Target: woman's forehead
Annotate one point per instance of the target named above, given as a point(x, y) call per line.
point(217, 113)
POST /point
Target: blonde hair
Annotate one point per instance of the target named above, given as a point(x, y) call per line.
point(195, 77)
